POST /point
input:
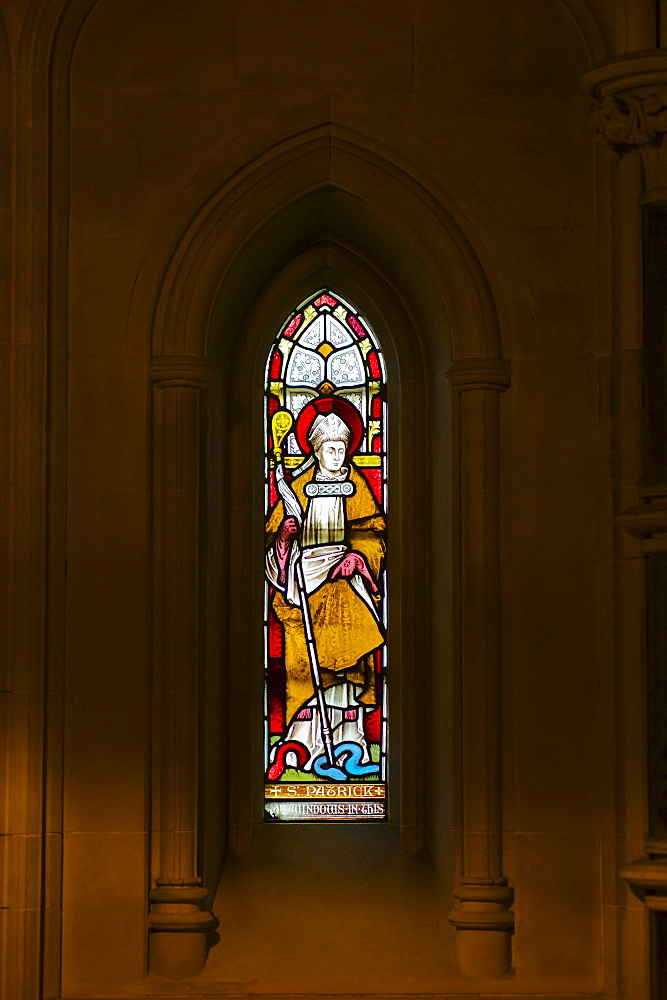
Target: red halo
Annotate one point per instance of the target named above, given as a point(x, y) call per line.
point(342, 408)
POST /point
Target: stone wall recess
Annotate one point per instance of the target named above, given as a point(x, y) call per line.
point(34, 387)
point(180, 316)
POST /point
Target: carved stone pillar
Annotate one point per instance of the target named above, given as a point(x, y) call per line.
point(177, 923)
point(483, 921)
point(641, 29)
point(630, 120)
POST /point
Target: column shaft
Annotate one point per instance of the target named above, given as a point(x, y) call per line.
point(480, 635)
point(177, 923)
point(483, 921)
point(629, 94)
point(641, 24)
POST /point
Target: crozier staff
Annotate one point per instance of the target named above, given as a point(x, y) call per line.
point(340, 556)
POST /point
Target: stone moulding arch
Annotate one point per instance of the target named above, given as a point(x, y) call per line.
point(212, 227)
point(49, 37)
point(212, 222)
point(40, 58)
point(591, 29)
point(50, 32)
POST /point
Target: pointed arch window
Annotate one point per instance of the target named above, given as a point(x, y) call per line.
point(325, 605)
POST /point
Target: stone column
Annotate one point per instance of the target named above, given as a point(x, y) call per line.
point(630, 122)
point(483, 921)
point(177, 923)
point(641, 24)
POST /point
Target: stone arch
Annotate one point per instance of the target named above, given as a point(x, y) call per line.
point(211, 222)
point(64, 34)
point(350, 270)
point(40, 59)
point(327, 200)
point(327, 262)
point(49, 38)
point(591, 30)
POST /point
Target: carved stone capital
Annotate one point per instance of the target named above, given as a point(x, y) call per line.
point(480, 373)
point(630, 94)
point(180, 370)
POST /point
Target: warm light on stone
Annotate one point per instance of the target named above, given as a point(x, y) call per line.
point(487, 183)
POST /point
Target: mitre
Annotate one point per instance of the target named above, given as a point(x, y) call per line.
point(328, 427)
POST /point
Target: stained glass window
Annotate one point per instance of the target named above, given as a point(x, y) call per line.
point(325, 604)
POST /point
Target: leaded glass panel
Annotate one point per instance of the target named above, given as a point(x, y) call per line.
point(325, 604)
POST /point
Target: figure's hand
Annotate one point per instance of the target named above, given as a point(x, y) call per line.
point(288, 530)
point(353, 563)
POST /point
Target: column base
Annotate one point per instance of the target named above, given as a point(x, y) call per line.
point(484, 927)
point(647, 877)
point(178, 929)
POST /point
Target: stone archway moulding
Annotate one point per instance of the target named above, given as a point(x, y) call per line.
point(462, 264)
point(40, 59)
point(175, 295)
point(241, 188)
point(591, 31)
point(51, 29)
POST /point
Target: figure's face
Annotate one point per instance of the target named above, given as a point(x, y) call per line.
point(331, 455)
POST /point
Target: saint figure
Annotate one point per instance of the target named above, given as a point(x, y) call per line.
point(340, 546)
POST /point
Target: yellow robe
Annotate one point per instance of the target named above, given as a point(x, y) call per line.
point(345, 630)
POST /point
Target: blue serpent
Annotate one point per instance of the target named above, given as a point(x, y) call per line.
point(351, 754)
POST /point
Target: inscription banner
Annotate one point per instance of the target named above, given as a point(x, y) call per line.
point(360, 790)
point(300, 809)
point(309, 801)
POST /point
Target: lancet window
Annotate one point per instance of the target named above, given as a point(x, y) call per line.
point(325, 581)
